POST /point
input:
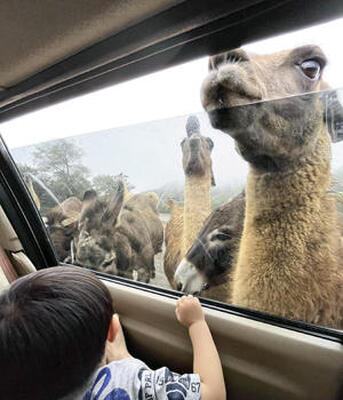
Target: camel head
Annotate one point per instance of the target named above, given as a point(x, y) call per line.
point(62, 230)
point(271, 135)
point(97, 222)
point(196, 151)
point(62, 222)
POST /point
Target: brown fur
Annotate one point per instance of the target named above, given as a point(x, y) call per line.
point(173, 240)
point(146, 204)
point(289, 262)
point(209, 262)
point(120, 239)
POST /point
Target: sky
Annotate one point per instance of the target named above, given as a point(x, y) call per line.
point(165, 94)
point(150, 155)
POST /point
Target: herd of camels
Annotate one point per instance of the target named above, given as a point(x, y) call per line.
point(277, 246)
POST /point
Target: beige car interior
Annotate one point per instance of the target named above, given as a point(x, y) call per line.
point(13, 260)
point(65, 28)
point(261, 361)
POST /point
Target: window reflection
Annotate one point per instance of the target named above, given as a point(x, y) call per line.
point(250, 215)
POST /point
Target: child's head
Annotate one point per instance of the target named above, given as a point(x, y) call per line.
point(53, 330)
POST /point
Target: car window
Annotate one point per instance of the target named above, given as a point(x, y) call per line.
point(222, 178)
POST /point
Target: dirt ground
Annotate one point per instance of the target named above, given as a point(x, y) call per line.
point(160, 278)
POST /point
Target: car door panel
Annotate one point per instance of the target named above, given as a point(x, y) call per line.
point(260, 361)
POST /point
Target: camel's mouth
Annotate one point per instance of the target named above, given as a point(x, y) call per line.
point(220, 117)
point(237, 122)
point(230, 119)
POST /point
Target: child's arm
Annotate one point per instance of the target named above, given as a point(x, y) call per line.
point(206, 361)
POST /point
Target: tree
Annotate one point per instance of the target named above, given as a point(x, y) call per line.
point(60, 168)
point(32, 177)
point(107, 185)
point(58, 173)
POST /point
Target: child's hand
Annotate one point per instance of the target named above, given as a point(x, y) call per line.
point(189, 310)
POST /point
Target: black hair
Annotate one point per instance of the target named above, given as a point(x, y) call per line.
point(53, 329)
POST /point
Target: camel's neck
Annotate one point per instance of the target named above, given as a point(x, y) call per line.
point(197, 207)
point(294, 190)
point(290, 217)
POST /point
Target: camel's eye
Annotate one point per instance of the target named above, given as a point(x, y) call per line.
point(311, 68)
point(222, 236)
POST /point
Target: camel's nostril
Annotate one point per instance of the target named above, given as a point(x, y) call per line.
point(179, 287)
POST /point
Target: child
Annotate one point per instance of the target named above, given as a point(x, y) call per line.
point(58, 331)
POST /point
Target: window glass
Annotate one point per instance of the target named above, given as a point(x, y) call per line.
point(224, 182)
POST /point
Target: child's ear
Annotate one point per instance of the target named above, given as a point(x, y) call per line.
point(113, 328)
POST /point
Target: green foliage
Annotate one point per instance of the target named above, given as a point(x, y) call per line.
point(58, 172)
point(107, 185)
point(172, 191)
point(60, 167)
point(57, 167)
point(32, 177)
point(27, 170)
point(175, 191)
point(224, 194)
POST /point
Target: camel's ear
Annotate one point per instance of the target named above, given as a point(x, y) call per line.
point(333, 111)
point(210, 143)
point(89, 198)
point(89, 195)
point(216, 60)
point(334, 115)
point(112, 211)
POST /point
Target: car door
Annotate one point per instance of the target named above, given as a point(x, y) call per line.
point(264, 356)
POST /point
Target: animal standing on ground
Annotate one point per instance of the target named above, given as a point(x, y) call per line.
point(210, 261)
point(185, 222)
point(119, 238)
point(146, 204)
point(290, 256)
